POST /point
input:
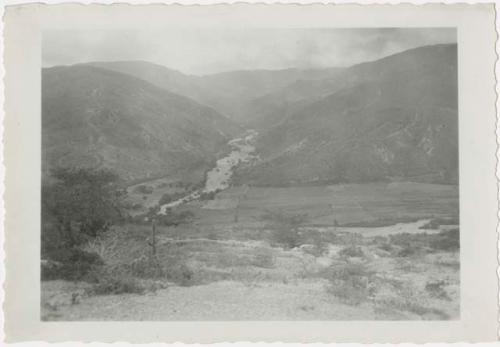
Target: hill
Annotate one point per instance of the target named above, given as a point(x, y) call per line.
point(101, 118)
point(394, 118)
point(238, 95)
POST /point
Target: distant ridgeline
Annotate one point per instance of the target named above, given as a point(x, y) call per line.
point(391, 119)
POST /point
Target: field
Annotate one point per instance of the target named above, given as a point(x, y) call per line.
point(381, 251)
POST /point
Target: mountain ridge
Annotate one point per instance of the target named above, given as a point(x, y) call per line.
point(97, 117)
point(390, 119)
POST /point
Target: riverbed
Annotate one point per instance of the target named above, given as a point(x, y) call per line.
point(219, 178)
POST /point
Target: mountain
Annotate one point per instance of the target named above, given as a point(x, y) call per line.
point(394, 118)
point(240, 92)
point(235, 94)
point(101, 118)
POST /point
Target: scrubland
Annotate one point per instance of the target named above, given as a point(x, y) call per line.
point(313, 253)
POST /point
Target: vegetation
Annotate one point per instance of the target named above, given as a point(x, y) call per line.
point(143, 189)
point(170, 197)
point(79, 204)
point(70, 264)
point(378, 275)
point(173, 218)
point(351, 283)
point(113, 282)
point(447, 240)
point(285, 228)
point(208, 195)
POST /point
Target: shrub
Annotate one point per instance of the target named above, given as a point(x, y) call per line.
point(81, 203)
point(288, 238)
point(264, 258)
point(285, 228)
point(409, 299)
point(168, 198)
point(146, 267)
point(180, 274)
point(70, 264)
point(407, 251)
point(351, 252)
point(208, 195)
point(349, 294)
point(171, 218)
point(318, 243)
point(386, 247)
point(351, 283)
point(436, 290)
point(162, 185)
point(448, 240)
point(143, 189)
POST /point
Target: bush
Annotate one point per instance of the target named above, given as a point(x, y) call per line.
point(288, 238)
point(69, 264)
point(448, 240)
point(410, 299)
point(171, 218)
point(285, 228)
point(264, 258)
point(352, 252)
point(208, 195)
point(408, 251)
point(386, 247)
point(319, 245)
point(436, 290)
point(351, 283)
point(143, 189)
point(146, 267)
point(168, 198)
point(180, 274)
point(80, 204)
point(162, 185)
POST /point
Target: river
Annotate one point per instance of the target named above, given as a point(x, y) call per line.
point(219, 178)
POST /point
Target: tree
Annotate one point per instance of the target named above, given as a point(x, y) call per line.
point(81, 203)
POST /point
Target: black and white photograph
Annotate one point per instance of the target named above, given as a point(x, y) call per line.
point(250, 174)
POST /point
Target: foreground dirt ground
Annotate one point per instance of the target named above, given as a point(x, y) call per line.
point(295, 286)
point(227, 300)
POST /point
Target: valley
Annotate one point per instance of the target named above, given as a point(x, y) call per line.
point(294, 194)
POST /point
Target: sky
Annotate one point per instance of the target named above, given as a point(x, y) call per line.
point(202, 51)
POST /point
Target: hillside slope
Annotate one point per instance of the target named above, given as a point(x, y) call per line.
point(100, 118)
point(235, 94)
point(395, 118)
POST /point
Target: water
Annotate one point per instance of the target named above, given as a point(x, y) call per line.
point(219, 177)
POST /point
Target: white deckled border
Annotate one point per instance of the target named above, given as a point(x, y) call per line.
point(478, 190)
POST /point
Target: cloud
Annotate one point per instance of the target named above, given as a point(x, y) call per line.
point(197, 51)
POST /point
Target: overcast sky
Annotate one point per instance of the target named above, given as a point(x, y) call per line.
point(201, 51)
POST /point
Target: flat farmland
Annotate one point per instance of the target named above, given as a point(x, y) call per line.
point(375, 204)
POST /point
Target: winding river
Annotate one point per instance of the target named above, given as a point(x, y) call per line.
point(220, 176)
